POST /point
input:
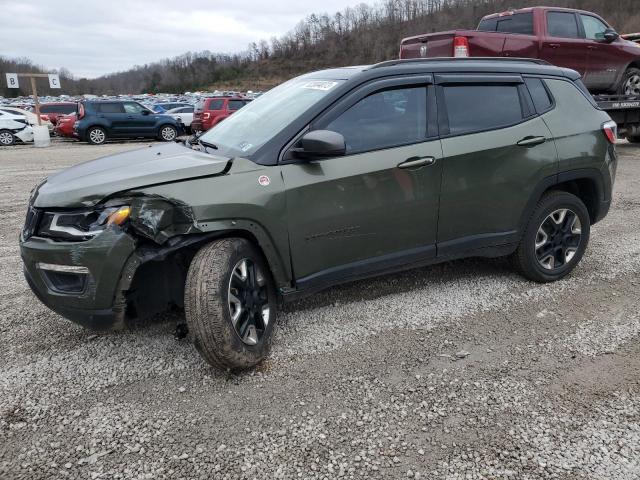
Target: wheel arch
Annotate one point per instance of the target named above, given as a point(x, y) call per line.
point(587, 184)
point(153, 277)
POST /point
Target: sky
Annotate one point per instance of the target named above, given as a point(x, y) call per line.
point(92, 38)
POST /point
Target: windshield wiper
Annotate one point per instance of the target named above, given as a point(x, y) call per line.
point(207, 144)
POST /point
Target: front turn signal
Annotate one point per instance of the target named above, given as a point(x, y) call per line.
point(119, 216)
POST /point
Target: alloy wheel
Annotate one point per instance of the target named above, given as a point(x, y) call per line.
point(97, 136)
point(248, 300)
point(632, 85)
point(6, 138)
point(168, 134)
point(558, 239)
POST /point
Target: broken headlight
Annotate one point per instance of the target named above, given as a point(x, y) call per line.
point(81, 225)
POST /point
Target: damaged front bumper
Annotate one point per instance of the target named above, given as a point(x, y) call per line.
point(80, 280)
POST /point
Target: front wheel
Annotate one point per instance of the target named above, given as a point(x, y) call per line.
point(7, 138)
point(168, 133)
point(555, 239)
point(230, 304)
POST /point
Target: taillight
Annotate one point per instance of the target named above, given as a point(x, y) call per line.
point(610, 130)
point(206, 115)
point(461, 47)
point(44, 118)
point(80, 112)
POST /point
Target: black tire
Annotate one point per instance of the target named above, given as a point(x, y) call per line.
point(630, 83)
point(167, 133)
point(527, 257)
point(208, 307)
point(7, 138)
point(96, 135)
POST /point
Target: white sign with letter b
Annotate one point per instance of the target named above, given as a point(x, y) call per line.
point(12, 80)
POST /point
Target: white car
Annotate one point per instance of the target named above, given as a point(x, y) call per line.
point(183, 114)
point(32, 118)
point(14, 127)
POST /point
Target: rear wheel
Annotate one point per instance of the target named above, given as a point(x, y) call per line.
point(555, 239)
point(630, 84)
point(7, 138)
point(96, 135)
point(168, 133)
point(230, 304)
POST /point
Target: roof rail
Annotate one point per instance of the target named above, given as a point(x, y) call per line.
point(391, 63)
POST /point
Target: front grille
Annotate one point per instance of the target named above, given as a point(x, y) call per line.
point(31, 223)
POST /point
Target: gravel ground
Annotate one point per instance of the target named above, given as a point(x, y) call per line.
point(457, 371)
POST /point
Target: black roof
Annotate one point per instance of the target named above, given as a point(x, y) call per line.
point(449, 65)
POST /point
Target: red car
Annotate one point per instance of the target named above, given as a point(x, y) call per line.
point(64, 126)
point(575, 39)
point(211, 111)
point(56, 110)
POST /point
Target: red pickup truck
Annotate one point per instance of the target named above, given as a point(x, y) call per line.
point(575, 39)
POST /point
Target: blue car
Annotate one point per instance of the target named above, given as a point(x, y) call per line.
point(102, 120)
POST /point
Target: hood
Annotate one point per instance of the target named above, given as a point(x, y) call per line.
point(88, 183)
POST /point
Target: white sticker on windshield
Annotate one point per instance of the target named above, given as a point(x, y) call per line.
point(245, 146)
point(320, 85)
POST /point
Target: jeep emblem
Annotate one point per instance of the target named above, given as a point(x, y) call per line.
point(264, 180)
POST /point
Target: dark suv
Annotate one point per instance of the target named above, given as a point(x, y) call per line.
point(102, 120)
point(331, 177)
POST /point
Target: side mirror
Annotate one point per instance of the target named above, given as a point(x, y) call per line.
point(321, 143)
point(610, 35)
point(146, 112)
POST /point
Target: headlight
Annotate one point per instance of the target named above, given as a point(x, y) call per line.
point(81, 225)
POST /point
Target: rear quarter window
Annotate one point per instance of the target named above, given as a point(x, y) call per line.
point(539, 94)
point(476, 108)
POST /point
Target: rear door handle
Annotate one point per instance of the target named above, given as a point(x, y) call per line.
point(554, 45)
point(417, 162)
point(531, 141)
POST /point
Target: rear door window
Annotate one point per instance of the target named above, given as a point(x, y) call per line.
point(216, 105)
point(476, 108)
point(562, 25)
point(110, 107)
point(383, 120)
point(520, 23)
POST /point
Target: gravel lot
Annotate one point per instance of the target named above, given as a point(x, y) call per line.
point(458, 371)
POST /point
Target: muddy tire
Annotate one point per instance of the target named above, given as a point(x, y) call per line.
point(630, 84)
point(555, 238)
point(230, 304)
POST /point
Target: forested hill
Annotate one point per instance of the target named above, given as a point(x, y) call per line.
point(354, 36)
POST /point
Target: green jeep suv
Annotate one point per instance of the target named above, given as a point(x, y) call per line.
point(331, 177)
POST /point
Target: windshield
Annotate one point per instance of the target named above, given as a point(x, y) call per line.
point(251, 127)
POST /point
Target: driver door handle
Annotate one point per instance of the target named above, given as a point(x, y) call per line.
point(417, 162)
point(532, 141)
